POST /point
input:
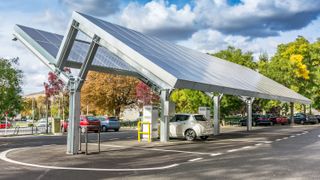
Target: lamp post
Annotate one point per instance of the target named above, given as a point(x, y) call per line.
point(5, 131)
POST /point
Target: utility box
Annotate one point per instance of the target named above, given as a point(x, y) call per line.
point(206, 112)
point(150, 115)
point(56, 126)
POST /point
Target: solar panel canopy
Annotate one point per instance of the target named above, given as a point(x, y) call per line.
point(49, 43)
point(166, 64)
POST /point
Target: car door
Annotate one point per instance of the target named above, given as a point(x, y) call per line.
point(173, 127)
point(182, 124)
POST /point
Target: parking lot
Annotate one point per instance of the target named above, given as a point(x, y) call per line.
point(235, 154)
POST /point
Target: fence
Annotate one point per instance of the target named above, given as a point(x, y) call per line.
point(24, 131)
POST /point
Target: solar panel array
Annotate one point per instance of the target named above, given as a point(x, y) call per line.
point(51, 43)
point(192, 69)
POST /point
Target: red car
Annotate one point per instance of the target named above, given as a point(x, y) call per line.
point(279, 120)
point(3, 125)
point(92, 123)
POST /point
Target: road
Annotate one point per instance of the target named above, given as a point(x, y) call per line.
point(266, 153)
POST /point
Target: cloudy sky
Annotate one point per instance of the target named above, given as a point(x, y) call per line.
point(206, 25)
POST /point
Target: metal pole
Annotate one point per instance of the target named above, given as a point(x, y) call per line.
point(74, 118)
point(5, 131)
point(87, 109)
point(249, 123)
point(216, 124)
point(99, 140)
point(292, 113)
point(164, 124)
point(86, 139)
point(304, 109)
point(80, 138)
point(310, 110)
point(47, 114)
point(32, 110)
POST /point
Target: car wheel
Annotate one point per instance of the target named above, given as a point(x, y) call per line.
point(302, 122)
point(204, 137)
point(190, 135)
point(104, 129)
point(116, 130)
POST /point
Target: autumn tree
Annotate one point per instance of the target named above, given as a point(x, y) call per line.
point(297, 66)
point(108, 93)
point(145, 95)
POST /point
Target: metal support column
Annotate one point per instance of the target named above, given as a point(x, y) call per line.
point(164, 123)
point(249, 102)
point(74, 118)
point(216, 114)
point(304, 109)
point(292, 113)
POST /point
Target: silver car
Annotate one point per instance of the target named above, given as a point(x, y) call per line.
point(190, 126)
point(109, 123)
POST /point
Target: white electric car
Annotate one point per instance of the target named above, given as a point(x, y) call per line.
point(190, 126)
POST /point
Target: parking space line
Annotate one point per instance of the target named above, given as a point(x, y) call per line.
point(292, 136)
point(258, 144)
point(278, 139)
point(319, 136)
point(157, 149)
point(113, 139)
point(216, 154)
point(285, 138)
point(195, 159)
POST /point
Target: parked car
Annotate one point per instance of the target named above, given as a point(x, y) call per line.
point(318, 117)
point(91, 122)
point(255, 117)
point(3, 125)
point(279, 120)
point(301, 118)
point(109, 123)
point(190, 126)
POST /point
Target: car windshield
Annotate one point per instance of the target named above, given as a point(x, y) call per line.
point(200, 118)
point(182, 117)
point(91, 118)
point(113, 119)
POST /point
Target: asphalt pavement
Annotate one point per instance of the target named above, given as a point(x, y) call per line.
point(280, 152)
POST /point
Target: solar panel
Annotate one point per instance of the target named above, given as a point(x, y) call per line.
point(51, 43)
point(182, 67)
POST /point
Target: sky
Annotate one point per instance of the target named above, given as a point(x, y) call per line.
point(258, 26)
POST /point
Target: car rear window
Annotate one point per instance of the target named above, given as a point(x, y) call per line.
point(200, 118)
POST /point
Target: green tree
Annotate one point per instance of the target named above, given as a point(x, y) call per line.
point(10, 87)
point(188, 101)
point(297, 66)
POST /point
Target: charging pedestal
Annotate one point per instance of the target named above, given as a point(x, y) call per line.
point(206, 112)
point(150, 117)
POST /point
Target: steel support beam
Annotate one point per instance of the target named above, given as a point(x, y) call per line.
point(66, 45)
point(165, 115)
point(75, 86)
point(88, 61)
point(74, 118)
point(292, 113)
point(249, 102)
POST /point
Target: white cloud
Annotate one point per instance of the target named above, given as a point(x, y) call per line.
point(159, 19)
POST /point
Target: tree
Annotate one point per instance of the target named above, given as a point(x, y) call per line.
point(145, 95)
point(297, 66)
point(108, 93)
point(237, 56)
point(10, 87)
point(188, 101)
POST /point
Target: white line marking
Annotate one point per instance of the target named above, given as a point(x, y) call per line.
point(259, 144)
point(285, 138)
point(292, 136)
point(216, 154)
point(196, 159)
point(113, 139)
point(319, 136)
point(3, 156)
point(247, 147)
point(278, 139)
point(156, 149)
point(298, 134)
point(267, 142)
